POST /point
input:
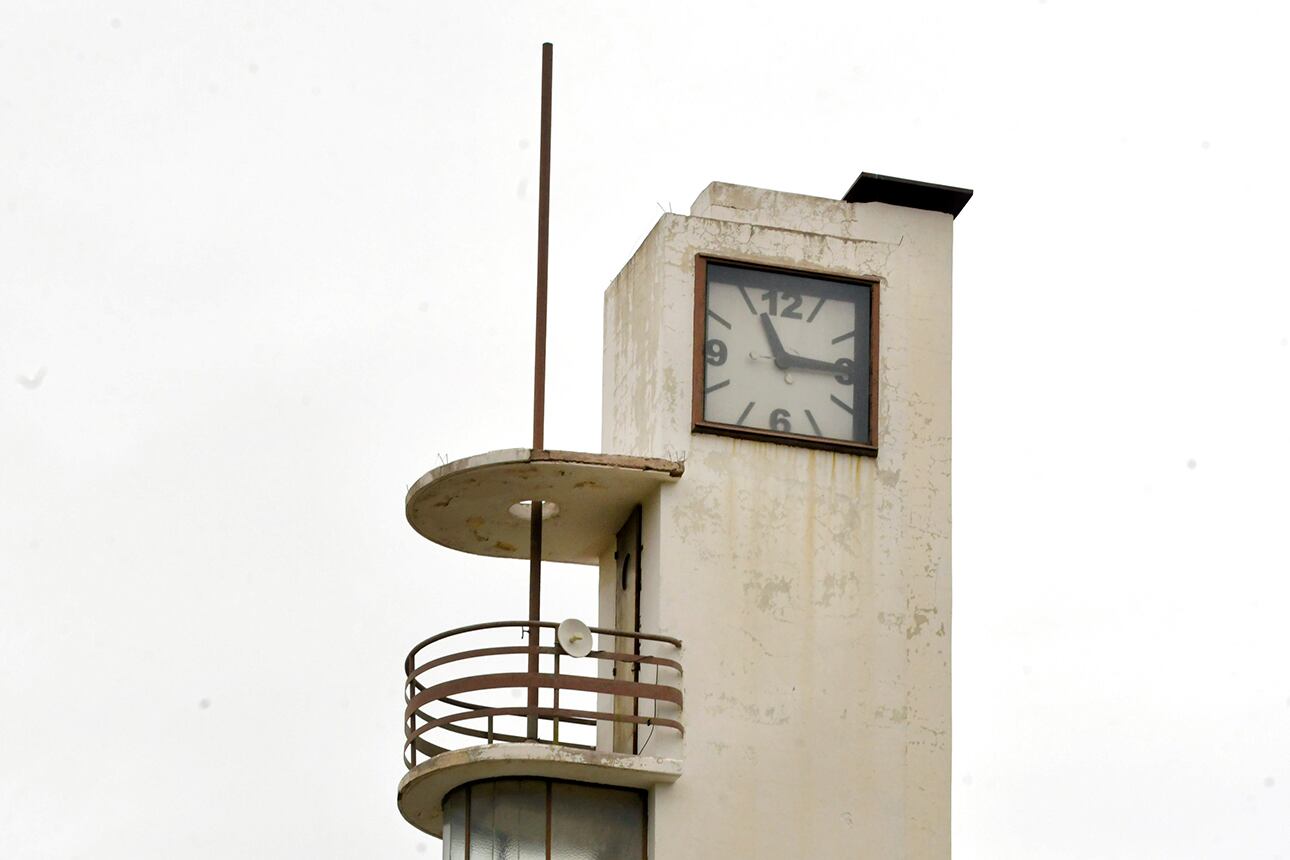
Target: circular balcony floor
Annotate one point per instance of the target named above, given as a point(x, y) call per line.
point(422, 789)
point(467, 504)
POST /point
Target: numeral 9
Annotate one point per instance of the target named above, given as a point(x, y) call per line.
point(715, 352)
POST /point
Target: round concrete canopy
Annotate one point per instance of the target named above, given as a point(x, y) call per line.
point(467, 504)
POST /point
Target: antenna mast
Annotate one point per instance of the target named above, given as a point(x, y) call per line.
point(539, 382)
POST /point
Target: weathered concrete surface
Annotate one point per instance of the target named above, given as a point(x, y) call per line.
point(812, 589)
point(465, 504)
point(722, 201)
point(422, 789)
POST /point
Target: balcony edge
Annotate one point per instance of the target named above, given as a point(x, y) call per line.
point(422, 789)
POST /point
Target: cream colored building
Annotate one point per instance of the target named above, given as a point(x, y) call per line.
point(770, 673)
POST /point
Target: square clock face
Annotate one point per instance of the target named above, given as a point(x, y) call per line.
point(784, 356)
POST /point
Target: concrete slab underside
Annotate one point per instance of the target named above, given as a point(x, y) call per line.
point(465, 505)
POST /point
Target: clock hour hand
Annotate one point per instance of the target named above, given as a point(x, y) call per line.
point(803, 363)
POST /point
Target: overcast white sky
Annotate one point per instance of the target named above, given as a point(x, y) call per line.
point(262, 264)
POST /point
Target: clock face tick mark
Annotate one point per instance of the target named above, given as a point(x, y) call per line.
point(747, 409)
point(835, 399)
point(718, 318)
point(814, 426)
point(843, 337)
point(811, 317)
point(747, 300)
point(712, 388)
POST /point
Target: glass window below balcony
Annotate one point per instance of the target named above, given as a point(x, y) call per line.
point(516, 819)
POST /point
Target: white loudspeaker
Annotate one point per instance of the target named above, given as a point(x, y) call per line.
point(574, 637)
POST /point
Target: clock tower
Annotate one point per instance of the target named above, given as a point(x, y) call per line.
point(769, 675)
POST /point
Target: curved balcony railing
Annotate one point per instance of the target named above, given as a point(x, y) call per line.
point(434, 687)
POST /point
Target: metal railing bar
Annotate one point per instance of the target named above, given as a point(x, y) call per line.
point(422, 714)
point(622, 657)
point(470, 628)
point(480, 652)
point(430, 750)
point(549, 713)
point(646, 637)
point(613, 656)
point(550, 625)
point(524, 680)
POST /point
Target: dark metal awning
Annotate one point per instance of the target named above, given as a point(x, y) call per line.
point(875, 188)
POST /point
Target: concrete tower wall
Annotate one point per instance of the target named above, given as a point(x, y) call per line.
point(811, 588)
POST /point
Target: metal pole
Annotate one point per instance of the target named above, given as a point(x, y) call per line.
point(535, 611)
point(544, 219)
point(539, 384)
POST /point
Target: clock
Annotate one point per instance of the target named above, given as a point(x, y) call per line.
point(785, 356)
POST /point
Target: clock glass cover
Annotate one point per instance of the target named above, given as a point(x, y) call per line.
point(785, 355)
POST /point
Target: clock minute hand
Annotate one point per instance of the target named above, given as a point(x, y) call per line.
point(776, 345)
point(785, 359)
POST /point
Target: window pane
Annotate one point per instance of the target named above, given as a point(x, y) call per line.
point(521, 820)
point(589, 823)
point(508, 820)
point(454, 826)
point(481, 821)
